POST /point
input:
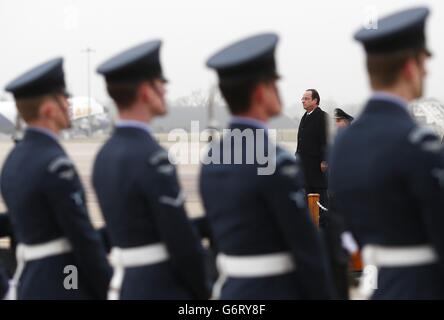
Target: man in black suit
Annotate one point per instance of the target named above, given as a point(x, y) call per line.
point(312, 143)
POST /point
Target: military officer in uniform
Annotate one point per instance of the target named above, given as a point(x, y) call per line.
point(59, 254)
point(342, 118)
point(268, 247)
point(387, 173)
point(156, 251)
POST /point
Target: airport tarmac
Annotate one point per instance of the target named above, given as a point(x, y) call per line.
point(83, 152)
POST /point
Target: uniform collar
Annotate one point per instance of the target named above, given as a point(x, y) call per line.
point(133, 124)
point(248, 122)
point(43, 131)
point(385, 96)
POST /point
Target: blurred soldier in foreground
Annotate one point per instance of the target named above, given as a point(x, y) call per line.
point(7, 255)
point(268, 246)
point(156, 252)
point(46, 200)
point(387, 174)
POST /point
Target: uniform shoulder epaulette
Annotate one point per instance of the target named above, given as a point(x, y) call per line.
point(158, 157)
point(287, 164)
point(283, 156)
point(426, 139)
point(161, 161)
point(62, 166)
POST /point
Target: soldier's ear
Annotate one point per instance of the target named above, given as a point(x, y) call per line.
point(47, 108)
point(258, 94)
point(411, 67)
point(144, 92)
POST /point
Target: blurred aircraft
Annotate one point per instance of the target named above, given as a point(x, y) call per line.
point(430, 113)
point(87, 118)
point(8, 115)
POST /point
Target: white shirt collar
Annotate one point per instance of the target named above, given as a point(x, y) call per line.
point(386, 96)
point(249, 122)
point(133, 124)
point(44, 131)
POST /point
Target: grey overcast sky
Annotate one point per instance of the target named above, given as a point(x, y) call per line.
point(316, 48)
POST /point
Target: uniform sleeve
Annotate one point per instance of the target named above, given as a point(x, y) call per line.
point(203, 228)
point(66, 197)
point(338, 256)
point(5, 226)
point(426, 182)
point(181, 239)
point(3, 283)
point(103, 232)
point(287, 200)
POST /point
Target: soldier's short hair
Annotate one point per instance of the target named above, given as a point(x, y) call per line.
point(29, 108)
point(238, 95)
point(384, 68)
point(123, 94)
